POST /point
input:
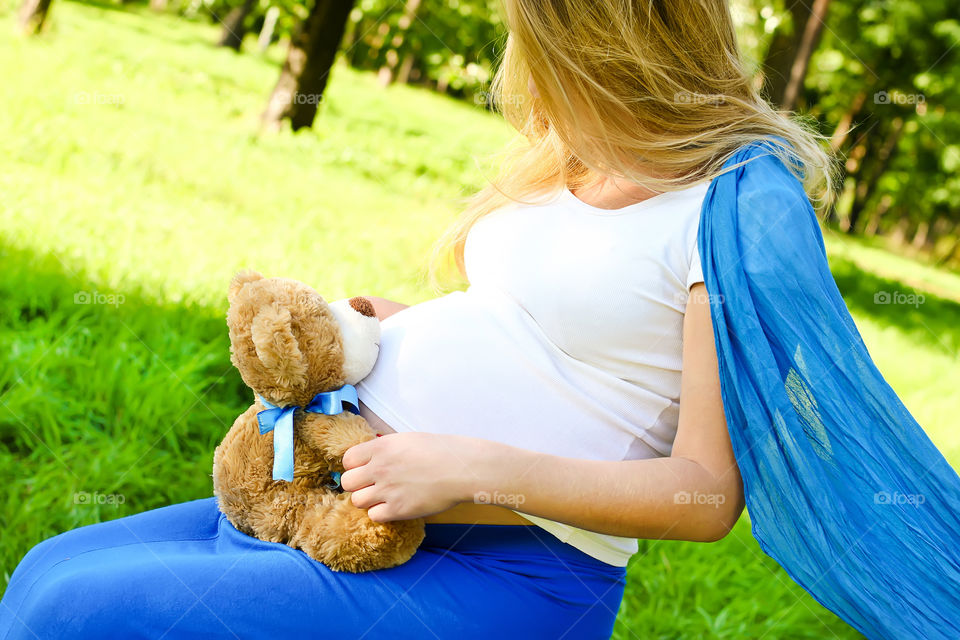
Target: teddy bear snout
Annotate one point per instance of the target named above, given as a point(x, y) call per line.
point(362, 306)
point(360, 331)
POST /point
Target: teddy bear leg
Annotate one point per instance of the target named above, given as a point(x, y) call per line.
point(277, 513)
point(331, 436)
point(344, 538)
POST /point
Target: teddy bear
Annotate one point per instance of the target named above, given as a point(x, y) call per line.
point(276, 472)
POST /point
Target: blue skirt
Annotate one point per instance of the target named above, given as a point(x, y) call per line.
point(184, 571)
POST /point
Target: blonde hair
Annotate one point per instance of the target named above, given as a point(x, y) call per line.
point(649, 90)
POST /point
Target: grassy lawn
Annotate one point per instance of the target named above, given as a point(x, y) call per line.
point(132, 177)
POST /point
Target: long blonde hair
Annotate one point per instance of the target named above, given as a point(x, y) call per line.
point(650, 90)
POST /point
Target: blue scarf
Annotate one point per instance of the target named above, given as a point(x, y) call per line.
point(843, 487)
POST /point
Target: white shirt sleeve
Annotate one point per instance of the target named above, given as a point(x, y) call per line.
point(695, 273)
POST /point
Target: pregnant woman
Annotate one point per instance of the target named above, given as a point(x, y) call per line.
point(565, 404)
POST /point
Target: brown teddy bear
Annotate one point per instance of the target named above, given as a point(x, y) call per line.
point(276, 473)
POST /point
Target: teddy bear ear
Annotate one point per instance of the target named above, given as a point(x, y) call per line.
point(241, 279)
point(277, 347)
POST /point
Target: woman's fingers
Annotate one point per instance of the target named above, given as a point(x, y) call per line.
point(381, 513)
point(359, 454)
point(356, 478)
point(366, 497)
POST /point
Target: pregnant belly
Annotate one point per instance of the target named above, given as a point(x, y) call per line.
point(463, 513)
point(378, 425)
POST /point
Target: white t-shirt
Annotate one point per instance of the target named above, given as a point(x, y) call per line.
point(567, 341)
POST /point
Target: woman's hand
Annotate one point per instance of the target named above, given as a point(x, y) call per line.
point(411, 474)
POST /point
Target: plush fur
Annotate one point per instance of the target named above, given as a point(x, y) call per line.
point(288, 345)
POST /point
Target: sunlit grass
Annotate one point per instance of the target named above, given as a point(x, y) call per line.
point(130, 167)
point(134, 141)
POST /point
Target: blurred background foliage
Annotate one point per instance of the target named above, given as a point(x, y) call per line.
point(878, 76)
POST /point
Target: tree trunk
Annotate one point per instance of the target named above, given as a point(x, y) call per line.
point(843, 129)
point(388, 73)
point(269, 24)
point(353, 41)
point(869, 176)
point(899, 234)
point(310, 57)
point(854, 171)
point(234, 25)
point(406, 67)
point(33, 15)
point(920, 235)
point(872, 225)
point(952, 251)
point(785, 66)
point(808, 42)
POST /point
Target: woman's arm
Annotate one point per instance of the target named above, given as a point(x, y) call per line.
point(695, 494)
point(385, 308)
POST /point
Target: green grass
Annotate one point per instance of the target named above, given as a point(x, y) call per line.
point(130, 166)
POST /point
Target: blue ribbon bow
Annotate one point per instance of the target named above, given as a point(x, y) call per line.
point(280, 421)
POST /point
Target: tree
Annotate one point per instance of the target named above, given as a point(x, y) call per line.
point(313, 48)
point(33, 15)
point(388, 72)
point(785, 66)
point(450, 45)
point(235, 25)
point(873, 155)
point(894, 100)
point(266, 31)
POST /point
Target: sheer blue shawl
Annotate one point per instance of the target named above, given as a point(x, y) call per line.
point(843, 487)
